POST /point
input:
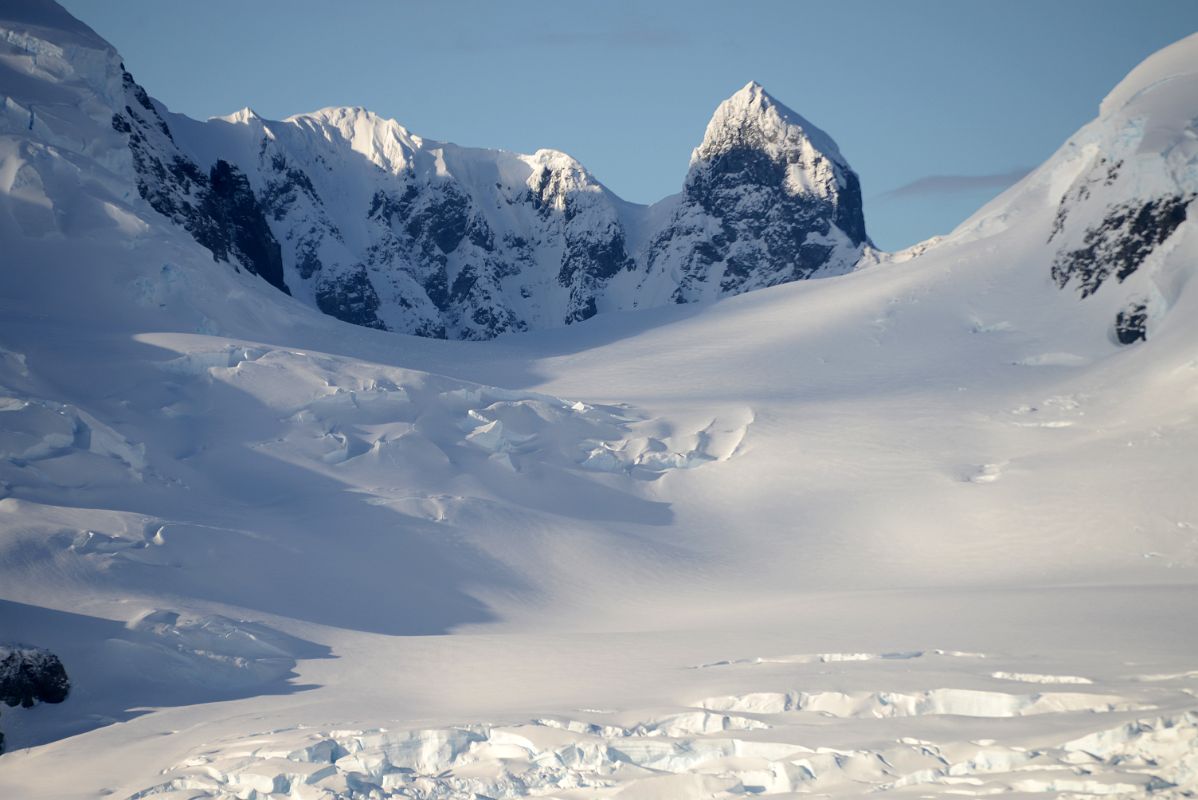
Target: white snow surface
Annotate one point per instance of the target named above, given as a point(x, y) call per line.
point(925, 527)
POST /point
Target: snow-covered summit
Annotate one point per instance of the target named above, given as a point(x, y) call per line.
point(752, 117)
point(1178, 60)
point(383, 141)
point(242, 116)
point(768, 199)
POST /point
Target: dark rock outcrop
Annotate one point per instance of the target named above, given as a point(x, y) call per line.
point(350, 298)
point(1131, 324)
point(30, 675)
point(217, 207)
point(1120, 243)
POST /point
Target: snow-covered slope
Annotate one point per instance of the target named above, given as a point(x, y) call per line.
point(921, 528)
point(1120, 191)
point(70, 106)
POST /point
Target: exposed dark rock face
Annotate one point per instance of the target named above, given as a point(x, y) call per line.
point(1120, 243)
point(237, 227)
point(471, 281)
point(588, 263)
point(217, 207)
point(435, 229)
point(350, 298)
point(287, 184)
point(440, 221)
point(1112, 225)
point(288, 188)
point(30, 675)
point(743, 189)
point(1131, 324)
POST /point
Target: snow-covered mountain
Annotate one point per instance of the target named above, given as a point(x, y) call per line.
point(1120, 193)
point(377, 226)
point(383, 228)
point(926, 527)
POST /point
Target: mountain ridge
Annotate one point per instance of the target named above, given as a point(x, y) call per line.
point(378, 226)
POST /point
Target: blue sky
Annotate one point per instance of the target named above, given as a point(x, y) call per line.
point(937, 104)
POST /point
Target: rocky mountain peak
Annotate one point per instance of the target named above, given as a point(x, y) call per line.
point(768, 199)
point(754, 119)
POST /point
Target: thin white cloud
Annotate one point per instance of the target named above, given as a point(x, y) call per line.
point(951, 184)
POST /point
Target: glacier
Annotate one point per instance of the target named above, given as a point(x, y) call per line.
point(923, 526)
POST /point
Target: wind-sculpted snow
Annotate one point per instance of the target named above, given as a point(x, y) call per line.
point(53, 444)
point(956, 702)
point(358, 417)
point(836, 658)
